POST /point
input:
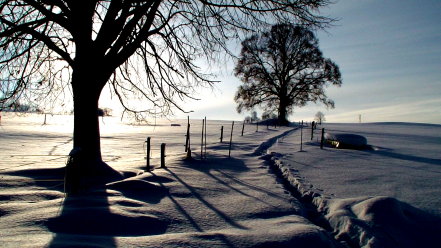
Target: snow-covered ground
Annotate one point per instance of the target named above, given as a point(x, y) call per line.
point(221, 201)
point(365, 192)
point(404, 162)
point(216, 202)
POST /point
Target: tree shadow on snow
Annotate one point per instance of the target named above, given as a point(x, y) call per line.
point(89, 220)
point(412, 158)
point(224, 172)
point(387, 152)
point(50, 178)
point(207, 166)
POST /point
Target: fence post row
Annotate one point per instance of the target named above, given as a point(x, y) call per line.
point(204, 141)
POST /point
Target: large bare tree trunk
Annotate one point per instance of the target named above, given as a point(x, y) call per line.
point(86, 167)
point(282, 117)
point(86, 136)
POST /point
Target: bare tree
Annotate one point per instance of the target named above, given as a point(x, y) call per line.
point(143, 49)
point(283, 68)
point(320, 117)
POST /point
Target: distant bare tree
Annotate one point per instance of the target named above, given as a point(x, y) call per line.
point(254, 117)
point(269, 115)
point(320, 117)
point(143, 49)
point(283, 68)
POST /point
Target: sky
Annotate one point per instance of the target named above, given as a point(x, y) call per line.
point(389, 54)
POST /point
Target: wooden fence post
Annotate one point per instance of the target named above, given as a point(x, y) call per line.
point(205, 138)
point(148, 154)
point(312, 130)
point(243, 127)
point(163, 155)
point(202, 138)
point(187, 146)
point(222, 134)
point(231, 140)
point(187, 137)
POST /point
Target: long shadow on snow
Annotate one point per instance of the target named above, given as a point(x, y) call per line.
point(406, 137)
point(386, 152)
point(50, 178)
point(227, 167)
point(181, 208)
point(408, 157)
point(87, 220)
point(90, 220)
point(237, 165)
point(224, 146)
point(198, 196)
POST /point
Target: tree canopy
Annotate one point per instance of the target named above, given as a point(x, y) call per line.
point(283, 68)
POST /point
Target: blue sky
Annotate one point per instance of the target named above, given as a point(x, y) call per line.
point(389, 53)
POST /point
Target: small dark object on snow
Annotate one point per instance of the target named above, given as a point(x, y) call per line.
point(346, 141)
point(175, 125)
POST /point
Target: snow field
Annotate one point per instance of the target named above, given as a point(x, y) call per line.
point(216, 202)
point(388, 196)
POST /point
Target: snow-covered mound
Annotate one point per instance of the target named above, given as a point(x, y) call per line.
point(346, 140)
